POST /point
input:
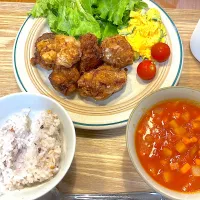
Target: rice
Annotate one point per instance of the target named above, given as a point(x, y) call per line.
point(30, 150)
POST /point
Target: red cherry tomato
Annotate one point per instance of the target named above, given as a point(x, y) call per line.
point(146, 70)
point(160, 52)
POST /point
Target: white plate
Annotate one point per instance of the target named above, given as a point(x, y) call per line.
point(85, 112)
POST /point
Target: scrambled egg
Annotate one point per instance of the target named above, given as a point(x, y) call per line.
point(144, 30)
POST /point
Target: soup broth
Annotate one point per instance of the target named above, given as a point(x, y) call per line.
point(168, 144)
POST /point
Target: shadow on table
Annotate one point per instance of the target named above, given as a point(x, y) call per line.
point(133, 182)
point(99, 134)
point(68, 182)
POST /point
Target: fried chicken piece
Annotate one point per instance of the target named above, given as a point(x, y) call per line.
point(91, 53)
point(102, 82)
point(56, 50)
point(117, 51)
point(68, 50)
point(64, 80)
point(44, 40)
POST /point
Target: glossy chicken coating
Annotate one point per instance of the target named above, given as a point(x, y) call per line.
point(56, 50)
point(117, 51)
point(69, 51)
point(102, 82)
point(64, 80)
point(91, 53)
point(46, 38)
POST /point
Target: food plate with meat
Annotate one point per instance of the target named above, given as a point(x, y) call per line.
point(95, 79)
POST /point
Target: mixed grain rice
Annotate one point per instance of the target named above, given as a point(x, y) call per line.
point(29, 150)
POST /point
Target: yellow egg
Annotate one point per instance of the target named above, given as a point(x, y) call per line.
point(144, 30)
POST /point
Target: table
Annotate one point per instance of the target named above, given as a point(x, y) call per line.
point(101, 163)
point(189, 4)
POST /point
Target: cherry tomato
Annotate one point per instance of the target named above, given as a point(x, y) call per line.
point(146, 70)
point(160, 52)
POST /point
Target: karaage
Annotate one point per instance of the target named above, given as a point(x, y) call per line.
point(117, 51)
point(56, 50)
point(91, 53)
point(64, 80)
point(102, 82)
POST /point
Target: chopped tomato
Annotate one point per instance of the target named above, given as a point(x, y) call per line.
point(167, 177)
point(185, 168)
point(187, 140)
point(193, 151)
point(197, 161)
point(174, 166)
point(181, 147)
point(167, 152)
point(173, 123)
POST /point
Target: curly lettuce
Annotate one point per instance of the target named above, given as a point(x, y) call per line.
point(78, 17)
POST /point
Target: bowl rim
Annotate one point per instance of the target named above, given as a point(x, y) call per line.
point(73, 134)
point(146, 177)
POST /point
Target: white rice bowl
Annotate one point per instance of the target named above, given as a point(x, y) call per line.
point(57, 167)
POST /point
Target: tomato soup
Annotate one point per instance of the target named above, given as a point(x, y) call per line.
point(168, 144)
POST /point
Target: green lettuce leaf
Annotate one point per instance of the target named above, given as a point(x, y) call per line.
point(136, 5)
point(78, 17)
point(88, 5)
point(75, 21)
point(42, 7)
point(112, 10)
point(116, 11)
point(107, 29)
point(67, 17)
